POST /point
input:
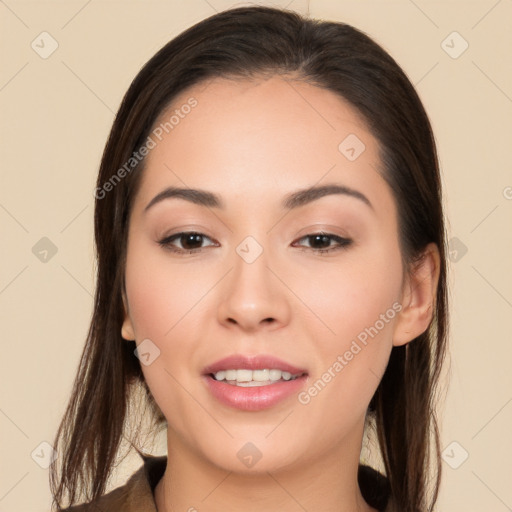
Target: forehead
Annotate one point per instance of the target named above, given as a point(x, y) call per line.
point(259, 137)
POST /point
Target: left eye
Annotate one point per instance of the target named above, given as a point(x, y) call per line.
point(322, 242)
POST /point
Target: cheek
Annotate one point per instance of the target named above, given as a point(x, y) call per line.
point(357, 306)
point(160, 295)
point(166, 308)
point(352, 296)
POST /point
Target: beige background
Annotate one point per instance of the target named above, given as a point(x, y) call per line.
point(56, 113)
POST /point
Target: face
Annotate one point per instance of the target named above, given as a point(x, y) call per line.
point(312, 280)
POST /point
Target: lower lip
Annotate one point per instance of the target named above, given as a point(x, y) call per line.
point(254, 398)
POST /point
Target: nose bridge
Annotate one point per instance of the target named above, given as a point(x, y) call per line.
point(253, 296)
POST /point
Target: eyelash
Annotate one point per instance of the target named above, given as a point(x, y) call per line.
point(166, 243)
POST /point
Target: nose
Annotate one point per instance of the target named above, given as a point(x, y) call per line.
point(253, 297)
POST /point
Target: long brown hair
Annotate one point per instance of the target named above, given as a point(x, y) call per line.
point(244, 43)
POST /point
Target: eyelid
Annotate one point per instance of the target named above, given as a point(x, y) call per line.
point(185, 229)
point(334, 230)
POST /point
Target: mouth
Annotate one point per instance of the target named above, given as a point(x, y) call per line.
point(253, 383)
point(254, 378)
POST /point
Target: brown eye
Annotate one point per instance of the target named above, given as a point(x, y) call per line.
point(191, 240)
point(319, 241)
point(323, 242)
point(188, 241)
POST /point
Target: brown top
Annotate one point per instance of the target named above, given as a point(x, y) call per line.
point(137, 494)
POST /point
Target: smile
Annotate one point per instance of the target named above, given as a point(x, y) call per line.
point(253, 378)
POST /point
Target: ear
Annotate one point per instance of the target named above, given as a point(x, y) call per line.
point(418, 297)
point(127, 331)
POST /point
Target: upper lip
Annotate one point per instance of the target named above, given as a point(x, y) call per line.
point(255, 362)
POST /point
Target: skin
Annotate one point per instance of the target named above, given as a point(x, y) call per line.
point(252, 143)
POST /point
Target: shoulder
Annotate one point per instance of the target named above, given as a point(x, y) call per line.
point(136, 495)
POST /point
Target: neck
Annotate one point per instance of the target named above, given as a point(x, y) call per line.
point(327, 483)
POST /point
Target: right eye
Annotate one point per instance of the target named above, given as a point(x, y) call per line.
point(185, 242)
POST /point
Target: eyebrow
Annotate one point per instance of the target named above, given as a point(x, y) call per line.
point(294, 200)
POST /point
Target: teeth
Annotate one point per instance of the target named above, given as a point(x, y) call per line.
point(260, 375)
point(275, 374)
point(220, 375)
point(244, 375)
point(250, 378)
point(230, 375)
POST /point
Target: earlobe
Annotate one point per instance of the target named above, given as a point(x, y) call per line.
point(127, 331)
point(418, 297)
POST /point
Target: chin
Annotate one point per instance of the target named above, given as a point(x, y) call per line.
point(252, 456)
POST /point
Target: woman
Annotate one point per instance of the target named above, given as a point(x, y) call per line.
point(271, 273)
